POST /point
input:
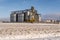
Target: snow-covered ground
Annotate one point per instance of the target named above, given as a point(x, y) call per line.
point(31, 31)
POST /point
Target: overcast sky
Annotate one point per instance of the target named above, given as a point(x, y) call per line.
point(42, 6)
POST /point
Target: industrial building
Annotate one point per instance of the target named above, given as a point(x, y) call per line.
point(28, 15)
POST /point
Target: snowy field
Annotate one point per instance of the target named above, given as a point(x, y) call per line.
point(29, 31)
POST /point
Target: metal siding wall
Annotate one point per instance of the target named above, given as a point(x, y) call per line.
point(21, 17)
point(14, 17)
point(39, 18)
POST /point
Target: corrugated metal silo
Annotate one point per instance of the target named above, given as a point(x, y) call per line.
point(21, 17)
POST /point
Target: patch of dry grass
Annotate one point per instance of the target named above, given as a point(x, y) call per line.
point(26, 29)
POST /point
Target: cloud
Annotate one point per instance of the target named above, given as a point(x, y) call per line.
point(55, 16)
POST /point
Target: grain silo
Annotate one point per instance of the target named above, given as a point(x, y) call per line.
point(27, 15)
point(13, 17)
point(21, 17)
point(39, 17)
